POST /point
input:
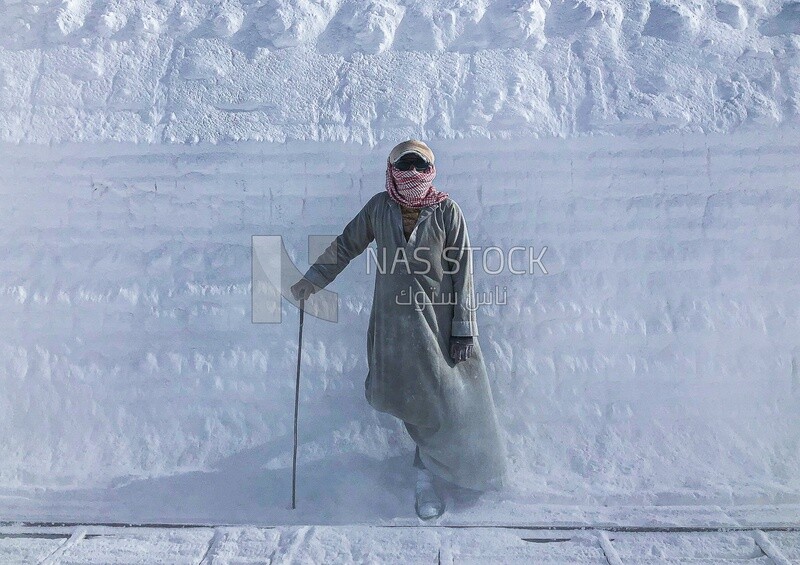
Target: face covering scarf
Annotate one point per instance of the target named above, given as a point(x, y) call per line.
point(413, 188)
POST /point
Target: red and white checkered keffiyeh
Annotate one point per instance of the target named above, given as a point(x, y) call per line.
point(413, 188)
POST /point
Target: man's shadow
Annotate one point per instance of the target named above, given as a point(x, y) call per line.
point(346, 488)
point(339, 489)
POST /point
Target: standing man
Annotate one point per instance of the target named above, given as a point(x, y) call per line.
point(425, 364)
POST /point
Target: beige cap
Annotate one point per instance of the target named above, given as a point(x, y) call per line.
point(411, 146)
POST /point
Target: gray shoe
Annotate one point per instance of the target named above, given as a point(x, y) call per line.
point(428, 503)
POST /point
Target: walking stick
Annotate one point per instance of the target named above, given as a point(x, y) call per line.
point(296, 401)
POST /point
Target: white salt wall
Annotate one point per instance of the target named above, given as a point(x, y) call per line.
point(657, 362)
point(189, 70)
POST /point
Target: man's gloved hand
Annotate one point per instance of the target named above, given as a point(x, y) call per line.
point(303, 289)
point(460, 348)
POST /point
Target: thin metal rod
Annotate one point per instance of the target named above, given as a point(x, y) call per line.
point(297, 402)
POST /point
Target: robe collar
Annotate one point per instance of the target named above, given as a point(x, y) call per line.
point(397, 218)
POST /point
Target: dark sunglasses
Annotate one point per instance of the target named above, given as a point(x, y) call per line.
point(409, 161)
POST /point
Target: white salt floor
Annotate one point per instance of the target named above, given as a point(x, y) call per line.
point(105, 545)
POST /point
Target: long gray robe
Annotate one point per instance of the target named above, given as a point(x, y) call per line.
point(447, 407)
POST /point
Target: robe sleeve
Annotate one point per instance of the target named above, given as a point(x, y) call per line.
point(459, 263)
point(353, 240)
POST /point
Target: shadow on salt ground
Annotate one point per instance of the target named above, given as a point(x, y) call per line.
point(344, 489)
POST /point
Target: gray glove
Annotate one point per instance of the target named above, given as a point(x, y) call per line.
point(303, 289)
point(461, 348)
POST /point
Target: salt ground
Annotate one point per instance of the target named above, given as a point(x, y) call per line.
point(109, 545)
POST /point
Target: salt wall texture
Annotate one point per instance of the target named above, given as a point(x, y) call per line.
point(656, 362)
point(146, 71)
